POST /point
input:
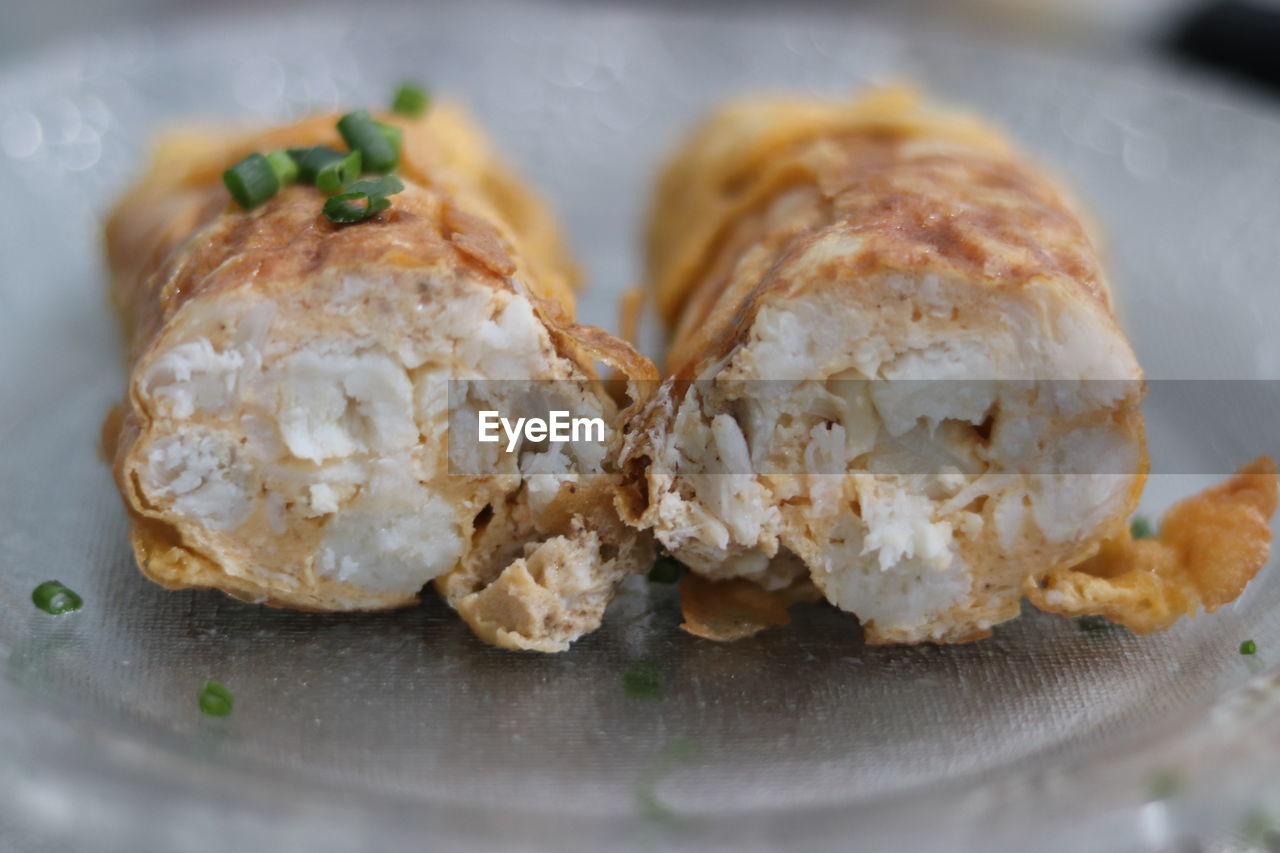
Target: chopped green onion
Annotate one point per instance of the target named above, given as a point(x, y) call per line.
point(1164, 784)
point(1095, 623)
point(216, 700)
point(383, 186)
point(1141, 528)
point(55, 599)
point(410, 101)
point(251, 181)
point(311, 160)
point(642, 680)
point(680, 749)
point(283, 165)
point(1248, 647)
point(651, 806)
point(347, 207)
point(393, 135)
point(665, 570)
point(362, 134)
point(1259, 830)
point(334, 176)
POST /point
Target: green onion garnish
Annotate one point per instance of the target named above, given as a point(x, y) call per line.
point(1248, 647)
point(642, 680)
point(651, 806)
point(283, 165)
point(410, 101)
point(680, 749)
point(311, 160)
point(665, 570)
point(362, 200)
point(393, 135)
point(347, 208)
point(1095, 623)
point(216, 700)
point(55, 599)
point(334, 176)
point(1141, 528)
point(1259, 830)
point(362, 134)
point(1164, 784)
point(251, 181)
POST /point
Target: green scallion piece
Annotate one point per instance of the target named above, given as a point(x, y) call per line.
point(251, 181)
point(283, 165)
point(383, 186)
point(642, 680)
point(393, 135)
point(410, 101)
point(55, 599)
point(1141, 528)
point(362, 134)
point(334, 176)
point(362, 200)
point(1164, 784)
point(311, 160)
point(1248, 647)
point(347, 208)
point(215, 699)
point(665, 570)
point(1095, 623)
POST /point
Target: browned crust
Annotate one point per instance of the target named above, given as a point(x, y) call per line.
point(177, 236)
point(915, 190)
point(728, 610)
point(1209, 547)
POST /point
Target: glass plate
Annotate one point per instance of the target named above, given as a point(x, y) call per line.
point(399, 730)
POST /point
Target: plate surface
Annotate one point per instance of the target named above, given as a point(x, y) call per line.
point(397, 728)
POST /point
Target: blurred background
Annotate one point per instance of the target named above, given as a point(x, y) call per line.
point(1239, 38)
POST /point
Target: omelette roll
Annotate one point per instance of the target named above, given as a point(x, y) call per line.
point(895, 373)
point(284, 433)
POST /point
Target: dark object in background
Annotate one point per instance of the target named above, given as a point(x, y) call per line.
point(1239, 37)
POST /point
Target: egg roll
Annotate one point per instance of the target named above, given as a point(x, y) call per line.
point(284, 434)
point(895, 380)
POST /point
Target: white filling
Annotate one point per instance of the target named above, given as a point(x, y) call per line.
point(335, 405)
point(903, 596)
point(200, 472)
point(738, 450)
point(339, 437)
point(194, 376)
point(393, 538)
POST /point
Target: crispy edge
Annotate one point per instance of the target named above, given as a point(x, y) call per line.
point(735, 609)
point(1209, 547)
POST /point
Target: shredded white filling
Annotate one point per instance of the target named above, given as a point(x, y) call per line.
point(890, 435)
point(333, 442)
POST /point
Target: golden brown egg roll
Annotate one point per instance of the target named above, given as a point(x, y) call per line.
point(284, 433)
point(895, 374)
